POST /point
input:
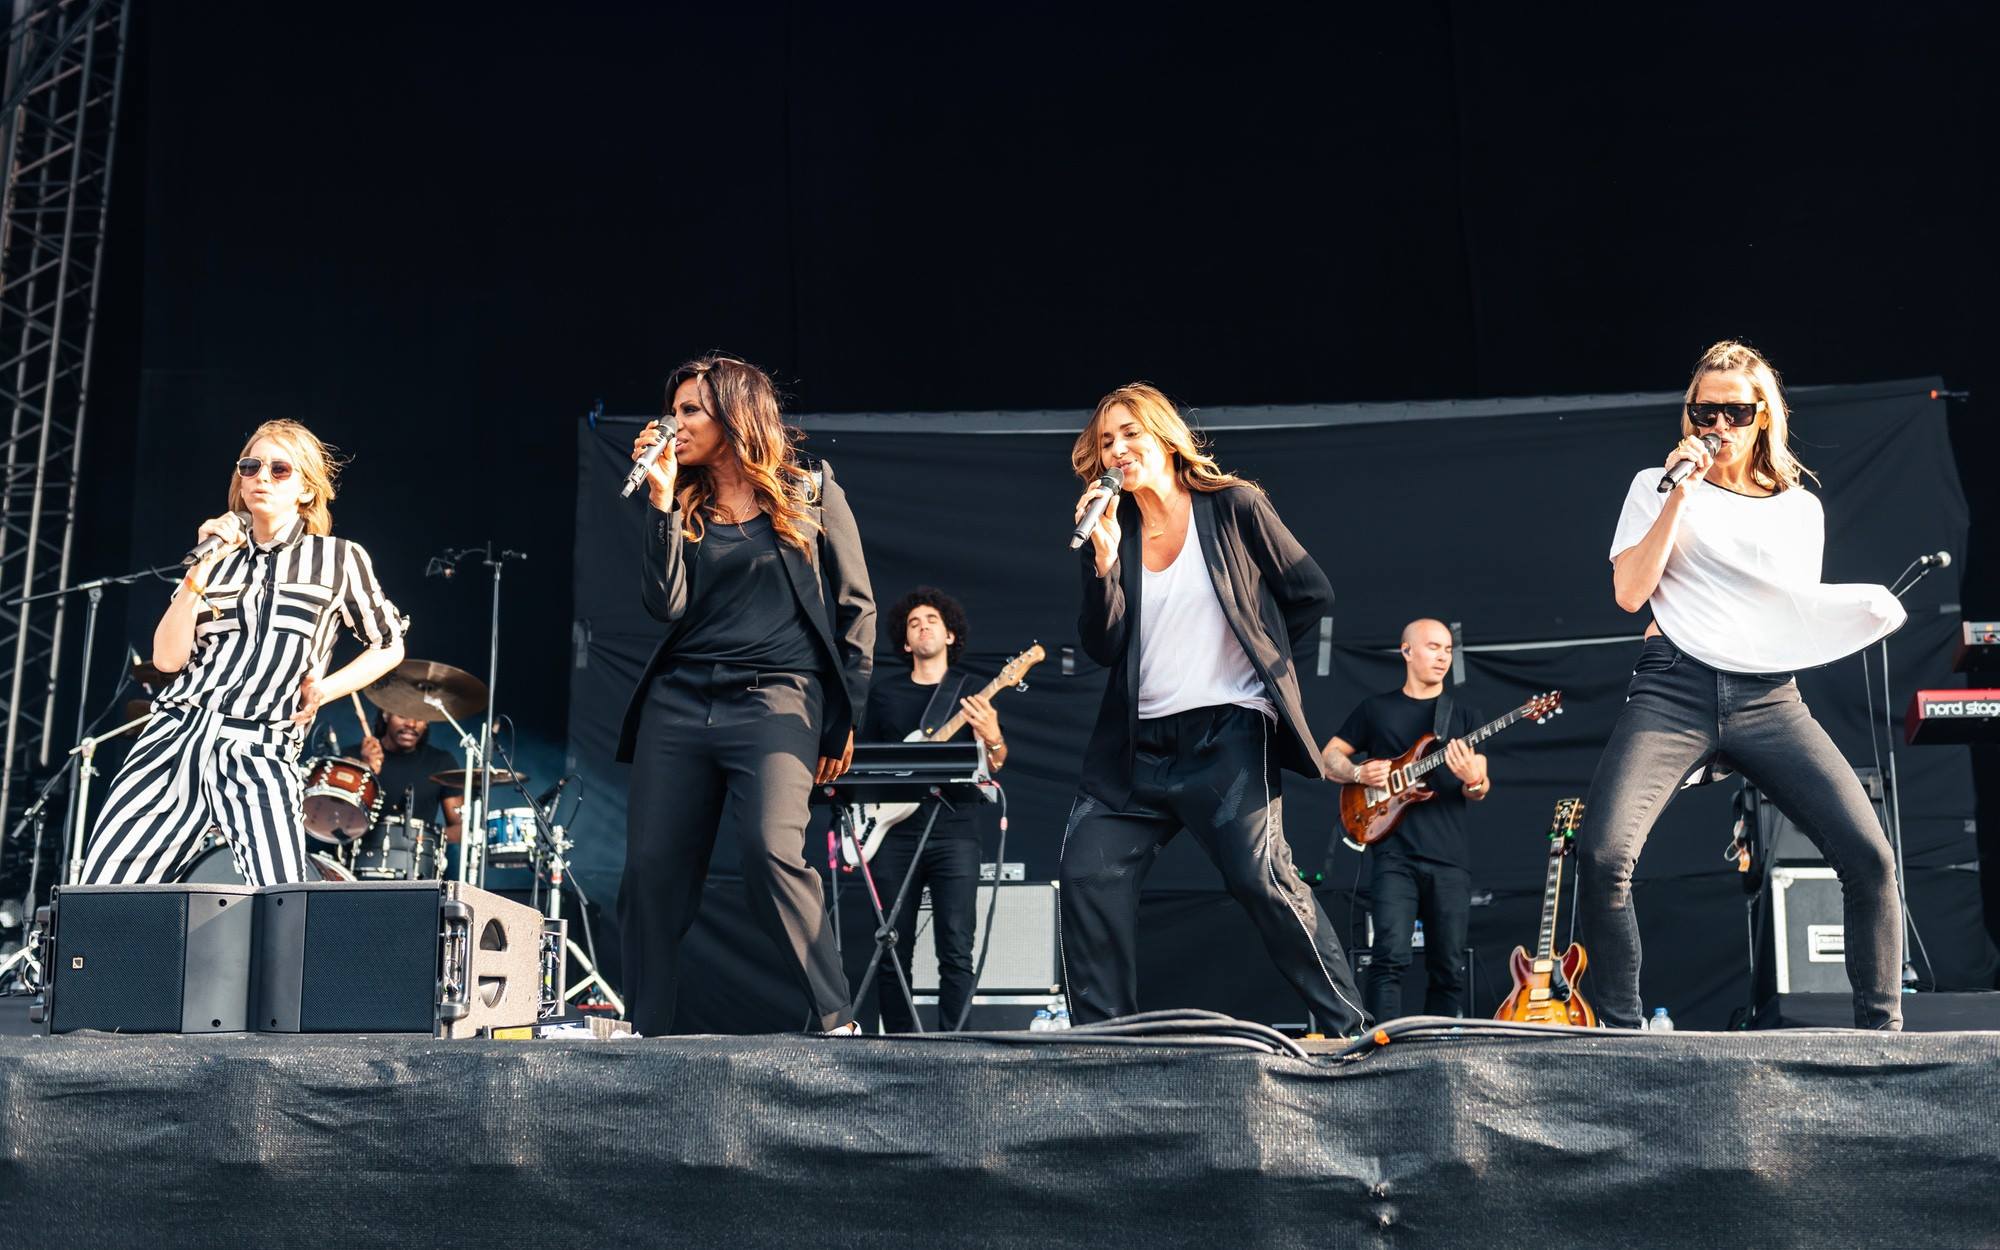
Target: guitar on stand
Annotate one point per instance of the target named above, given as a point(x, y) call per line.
point(1545, 990)
point(870, 822)
point(1369, 814)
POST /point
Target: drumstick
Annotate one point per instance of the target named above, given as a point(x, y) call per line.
point(361, 716)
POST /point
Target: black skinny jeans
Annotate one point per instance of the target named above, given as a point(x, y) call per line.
point(724, 752)
point(1403, 891)
point(1210, 771)
point(950, 866)
point(1678, 712)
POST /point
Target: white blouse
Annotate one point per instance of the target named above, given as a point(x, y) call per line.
point(1188, 656)
point(1741, 591)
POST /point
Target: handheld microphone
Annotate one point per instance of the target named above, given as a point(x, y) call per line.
point(213, 543)
point(650, 457)
point(1111, 483)
point(1679, 473)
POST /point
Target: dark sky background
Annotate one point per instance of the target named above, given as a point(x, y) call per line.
point(439, 234)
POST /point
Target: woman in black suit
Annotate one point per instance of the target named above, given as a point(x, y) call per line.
point(753, 562)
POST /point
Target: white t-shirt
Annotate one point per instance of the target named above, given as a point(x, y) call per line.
point(1741, 591)
point(1188, 655)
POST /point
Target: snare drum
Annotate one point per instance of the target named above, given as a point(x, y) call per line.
point(212, 864)
point(400, 849)
point(510, 836)
point(343, 800)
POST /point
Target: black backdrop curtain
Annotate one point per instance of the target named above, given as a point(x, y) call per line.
point(1494, 515)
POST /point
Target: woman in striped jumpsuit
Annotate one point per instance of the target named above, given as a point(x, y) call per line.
point(249, 631)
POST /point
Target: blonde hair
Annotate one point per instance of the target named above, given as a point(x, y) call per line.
point(315, 462)
point(1157, 415)
point(1772, 464)
point(743, 401)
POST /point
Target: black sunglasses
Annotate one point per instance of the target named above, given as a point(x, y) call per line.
point(248, 466)
point(1701, 416)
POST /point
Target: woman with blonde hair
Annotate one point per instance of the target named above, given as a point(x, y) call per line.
point(1194, 597)
point(248, 633)
point(1728, 561)
point(753, 563)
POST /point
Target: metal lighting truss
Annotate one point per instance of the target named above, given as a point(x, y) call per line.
point(58, 118)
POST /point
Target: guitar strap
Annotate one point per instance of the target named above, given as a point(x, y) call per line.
point(1441, 716)
point(944, 701)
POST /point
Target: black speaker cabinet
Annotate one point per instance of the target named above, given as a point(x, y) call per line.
point(149, 958)
point(430, 957)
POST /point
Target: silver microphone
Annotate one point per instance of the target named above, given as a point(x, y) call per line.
point(213, 543)
point(1678, 474)
point(1112, 482)
point(650, 457)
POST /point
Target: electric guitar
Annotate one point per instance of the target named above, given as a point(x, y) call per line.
point(871, 821)
point(1369, 814)
point(1545, 989)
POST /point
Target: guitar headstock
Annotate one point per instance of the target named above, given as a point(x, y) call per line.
point(1568, 817)
point(1015, 669)
point(1540, 708)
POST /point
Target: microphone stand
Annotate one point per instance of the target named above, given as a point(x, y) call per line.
point(1892, 794)
point(472, 836)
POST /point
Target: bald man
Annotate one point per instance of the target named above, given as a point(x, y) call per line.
point(1422, 870)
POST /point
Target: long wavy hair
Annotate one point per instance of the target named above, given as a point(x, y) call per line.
point(1772, 464)
point(315, 462)
point(1157, 415)
point(744, 403)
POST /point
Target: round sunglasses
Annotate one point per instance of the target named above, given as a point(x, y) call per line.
point(249, 466)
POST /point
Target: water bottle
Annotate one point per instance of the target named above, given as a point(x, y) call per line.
point(1416, 935)
point(1042, 1022)
point(1060, 1020)
point(1661, 1021)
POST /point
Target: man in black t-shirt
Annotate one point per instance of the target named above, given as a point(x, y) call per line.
point(934, 632)
point(1421, 871)
point(400, 754)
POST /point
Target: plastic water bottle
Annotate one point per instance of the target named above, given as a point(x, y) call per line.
point(1416, 935)
point(1043, 1021)
point(1060, 1019)
point(1661, 1021)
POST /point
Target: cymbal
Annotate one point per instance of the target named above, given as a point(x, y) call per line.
point(403, 690)
point(454, 779)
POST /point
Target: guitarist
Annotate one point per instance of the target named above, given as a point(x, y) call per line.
point(934, 633)
point(1420, 872)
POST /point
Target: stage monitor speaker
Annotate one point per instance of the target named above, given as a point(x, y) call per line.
point(433, 957)
point(149, 958)
point(1023, 959)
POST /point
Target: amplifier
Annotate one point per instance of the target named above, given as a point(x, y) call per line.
point(1779, 841)
point(1023, 960)
point(1803, 946)
point(430, 957)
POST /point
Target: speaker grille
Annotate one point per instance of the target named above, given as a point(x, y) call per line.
point(118, 961)
point(370, 961)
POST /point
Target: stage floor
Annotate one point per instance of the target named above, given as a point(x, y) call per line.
point(1687, 1138)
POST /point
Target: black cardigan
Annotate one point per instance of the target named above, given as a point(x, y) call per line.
point(1272, 594)
point(835, 596)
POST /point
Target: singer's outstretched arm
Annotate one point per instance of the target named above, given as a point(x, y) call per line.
point(663, 580)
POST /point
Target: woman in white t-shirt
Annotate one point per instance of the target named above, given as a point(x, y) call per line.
point(1728, 561)
point(1194, 597)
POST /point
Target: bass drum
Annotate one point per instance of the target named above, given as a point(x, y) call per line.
point(214, 865)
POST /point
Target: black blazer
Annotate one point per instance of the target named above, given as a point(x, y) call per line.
point(1272, 594)
point(835, 596)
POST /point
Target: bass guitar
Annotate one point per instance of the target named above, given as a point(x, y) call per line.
point(1369, 814)
point(872, 821)
point(1545, 990)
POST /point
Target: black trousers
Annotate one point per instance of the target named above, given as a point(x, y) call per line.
point(724, 752)
point(1403, 891)
point(1209, 771)
point(950, 866)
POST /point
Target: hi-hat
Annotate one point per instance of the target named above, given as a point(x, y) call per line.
point(455, 779)
point(408, 689)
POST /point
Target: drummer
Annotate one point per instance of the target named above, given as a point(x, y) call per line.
point(403, 759)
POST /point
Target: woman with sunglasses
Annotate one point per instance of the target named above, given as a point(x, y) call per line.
point(753, 563)
point(1728, 561)
point(248, 632)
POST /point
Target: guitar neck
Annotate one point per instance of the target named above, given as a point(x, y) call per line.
point(1551, 899)
point(957, 721)
point(1473, 739)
